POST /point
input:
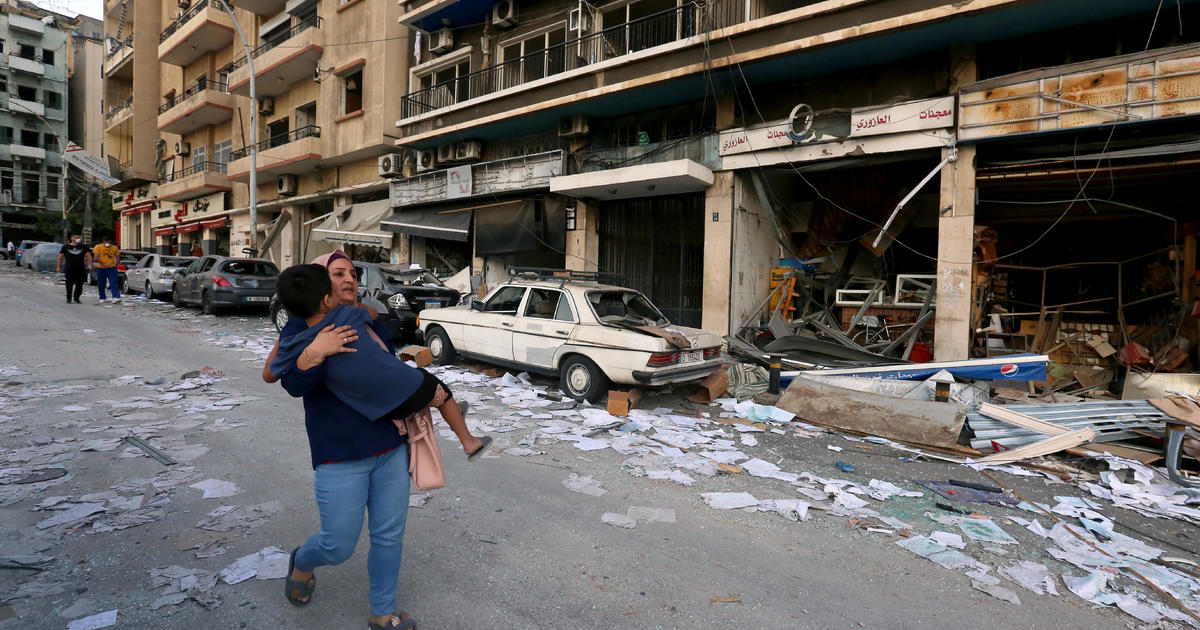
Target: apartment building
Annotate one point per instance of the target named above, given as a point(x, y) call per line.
point(691, 147)
point(85, 89)
point(33, 117)
point(181, 122)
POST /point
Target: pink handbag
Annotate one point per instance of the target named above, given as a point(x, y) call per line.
point(424, 454)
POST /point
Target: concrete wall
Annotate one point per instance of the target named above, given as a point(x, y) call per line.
point(755, 252)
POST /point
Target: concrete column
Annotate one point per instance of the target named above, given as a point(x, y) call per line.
point(583, 243)
point(401, 249)
point(956, 234)
point(208, 242)
point(418, 251)
point(718, 255)
point(289, 239)
point(956, 246)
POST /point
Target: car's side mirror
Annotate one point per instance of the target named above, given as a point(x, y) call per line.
point(476, 305)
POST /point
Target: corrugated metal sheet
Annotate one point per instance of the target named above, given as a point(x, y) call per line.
point(1113, 421)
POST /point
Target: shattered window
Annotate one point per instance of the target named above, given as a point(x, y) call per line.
point(628, 306)
point(250, 268)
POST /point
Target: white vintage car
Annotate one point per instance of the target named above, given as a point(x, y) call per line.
point(586, 334)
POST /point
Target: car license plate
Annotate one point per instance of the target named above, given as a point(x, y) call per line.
point(433, 305)
point(691, 357)
point(257, 298)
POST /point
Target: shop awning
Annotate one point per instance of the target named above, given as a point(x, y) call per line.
point(215, 224)
point(645, 180)
point(167, 231)
point(188, 227)
point(358, 224)
point(451, 225)
point(128, 212)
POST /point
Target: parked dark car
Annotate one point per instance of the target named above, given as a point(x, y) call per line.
point(216, 282)
point(398, 293)
point(125, 261)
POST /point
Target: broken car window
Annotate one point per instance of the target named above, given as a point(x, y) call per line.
point(250, 268)
point(506, 300)
point(627, 306)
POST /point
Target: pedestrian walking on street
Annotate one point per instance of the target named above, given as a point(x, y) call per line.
point(106, 257)
point(73, 262)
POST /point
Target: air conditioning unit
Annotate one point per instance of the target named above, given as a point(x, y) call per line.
point(184, 4)
point(183, 148)
point(577, 20)
point(179, 16)
point(469, 151)
point(576, 125)
point(441, 41)
point(391, 165)
point(445, 153)
point(504, 14)
point(425, 160)
point(286, 185)
point(266, 106)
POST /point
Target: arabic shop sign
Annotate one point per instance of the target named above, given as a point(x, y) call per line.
point(933, 113)
point(802, 127)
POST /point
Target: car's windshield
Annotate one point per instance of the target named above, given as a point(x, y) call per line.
point(627, 306)
point(409, 277)
point(168, 261)
point(250, 268)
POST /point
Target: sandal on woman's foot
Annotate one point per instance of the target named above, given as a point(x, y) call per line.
point(298, 592)
point(487, 441)
point(398, 621)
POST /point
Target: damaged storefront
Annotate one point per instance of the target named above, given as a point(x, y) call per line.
point(487, 217)
point(195, 227)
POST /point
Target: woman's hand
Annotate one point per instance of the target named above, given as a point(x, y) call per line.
point(328, 342)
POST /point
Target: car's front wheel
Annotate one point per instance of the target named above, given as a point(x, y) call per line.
point(582, 379)
point(149, 292)
point(440, 347)
point(176, 299)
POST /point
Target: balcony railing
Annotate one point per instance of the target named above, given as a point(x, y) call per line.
point(116, 110)
point(657, 29)
point(195, 89)
point(199, 167)
point(311, 131)
point(183, 19)
point(119, 45)
point(311, 21)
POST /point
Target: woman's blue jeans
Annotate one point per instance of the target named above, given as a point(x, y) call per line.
point(378, 485)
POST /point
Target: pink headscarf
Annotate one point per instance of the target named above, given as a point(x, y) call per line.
point(326, 259)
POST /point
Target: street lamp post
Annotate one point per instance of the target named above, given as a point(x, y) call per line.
point(253, 130)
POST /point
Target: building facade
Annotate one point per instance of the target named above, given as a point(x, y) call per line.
point(690, 148)
point(181, 124)
point(33, 119)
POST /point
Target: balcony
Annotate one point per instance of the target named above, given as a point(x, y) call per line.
point(201, 105)
point(20, 150)
point(262, 7)
point(118, 63)
point(26, 24)
point(652, 31)
point(204, 28)
point(194, 181)
point(29, 66)
point(22, 106)
point(278, 67)
point(296, 152)
point(118, 114)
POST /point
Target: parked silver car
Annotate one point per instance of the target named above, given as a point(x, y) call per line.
point(42, 257)
point(216, 282)
point(154, 274)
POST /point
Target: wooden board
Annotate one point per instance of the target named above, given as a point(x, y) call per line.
point(1021, 420)
point(914, 421)
point(1136, 454)
point(1045, 447)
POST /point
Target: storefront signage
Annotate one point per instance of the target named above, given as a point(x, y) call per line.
point(200, 208)
point(527, 172)
point(126, 199)
point(799, 128)
point(934, 113)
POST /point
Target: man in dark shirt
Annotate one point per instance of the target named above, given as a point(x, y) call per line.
point(74, 260)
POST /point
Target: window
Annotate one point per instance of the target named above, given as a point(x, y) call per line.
point(306, 115)
point(249, 268)
point(30, 190)
point(208, 264)
point(534, 57)
point(3, 81)
point(25, 51)
point(506, 300)
point(30, 138)
point(199, 152)
point(221, 153)
point(51, 187)
point(53, 100)
point(6, 135)
point(277, 132)
point(51, 141)
point(6, 180)
point(26, 93)
point(352, 92)
point(447, 84)
point(548, 304)
point(47, 56)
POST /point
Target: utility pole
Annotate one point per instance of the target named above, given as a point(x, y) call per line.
point(253, 130)
point(87, 215)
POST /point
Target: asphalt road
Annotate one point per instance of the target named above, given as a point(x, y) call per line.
point(504, 546)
